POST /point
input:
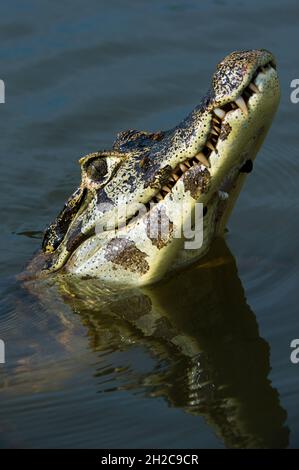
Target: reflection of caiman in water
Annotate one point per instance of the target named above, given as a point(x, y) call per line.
point(200, 322)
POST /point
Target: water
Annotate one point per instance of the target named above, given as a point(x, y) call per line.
point(200, 361)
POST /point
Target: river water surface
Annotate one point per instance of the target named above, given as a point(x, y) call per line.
point(199, 361)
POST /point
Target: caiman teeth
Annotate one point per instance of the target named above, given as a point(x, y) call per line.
point(219, 112)
point(216, 120)
point(223, 195)
point(183, 167)
point(253, 87)
point(210, 145)
point(241, 104)
point(175, 177)
point(159, 196)
point(166, 189)
point(202, 159)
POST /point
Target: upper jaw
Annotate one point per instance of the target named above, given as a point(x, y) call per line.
point(221, 117)
point(236, 71)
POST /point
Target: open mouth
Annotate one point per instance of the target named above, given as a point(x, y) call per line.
point(219, 113)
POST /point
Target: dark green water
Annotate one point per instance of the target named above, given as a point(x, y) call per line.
point(199, 361)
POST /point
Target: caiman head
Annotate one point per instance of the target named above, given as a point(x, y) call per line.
point(120, 225)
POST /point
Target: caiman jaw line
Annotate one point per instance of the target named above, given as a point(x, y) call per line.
point(219, 113)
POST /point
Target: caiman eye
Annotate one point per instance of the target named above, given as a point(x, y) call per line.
point(97, 169)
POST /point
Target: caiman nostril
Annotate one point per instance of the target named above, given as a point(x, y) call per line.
point(247, 167)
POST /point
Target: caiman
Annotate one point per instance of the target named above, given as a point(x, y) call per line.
point(203, 160)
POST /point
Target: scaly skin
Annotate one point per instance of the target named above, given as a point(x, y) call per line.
point(216, 144)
